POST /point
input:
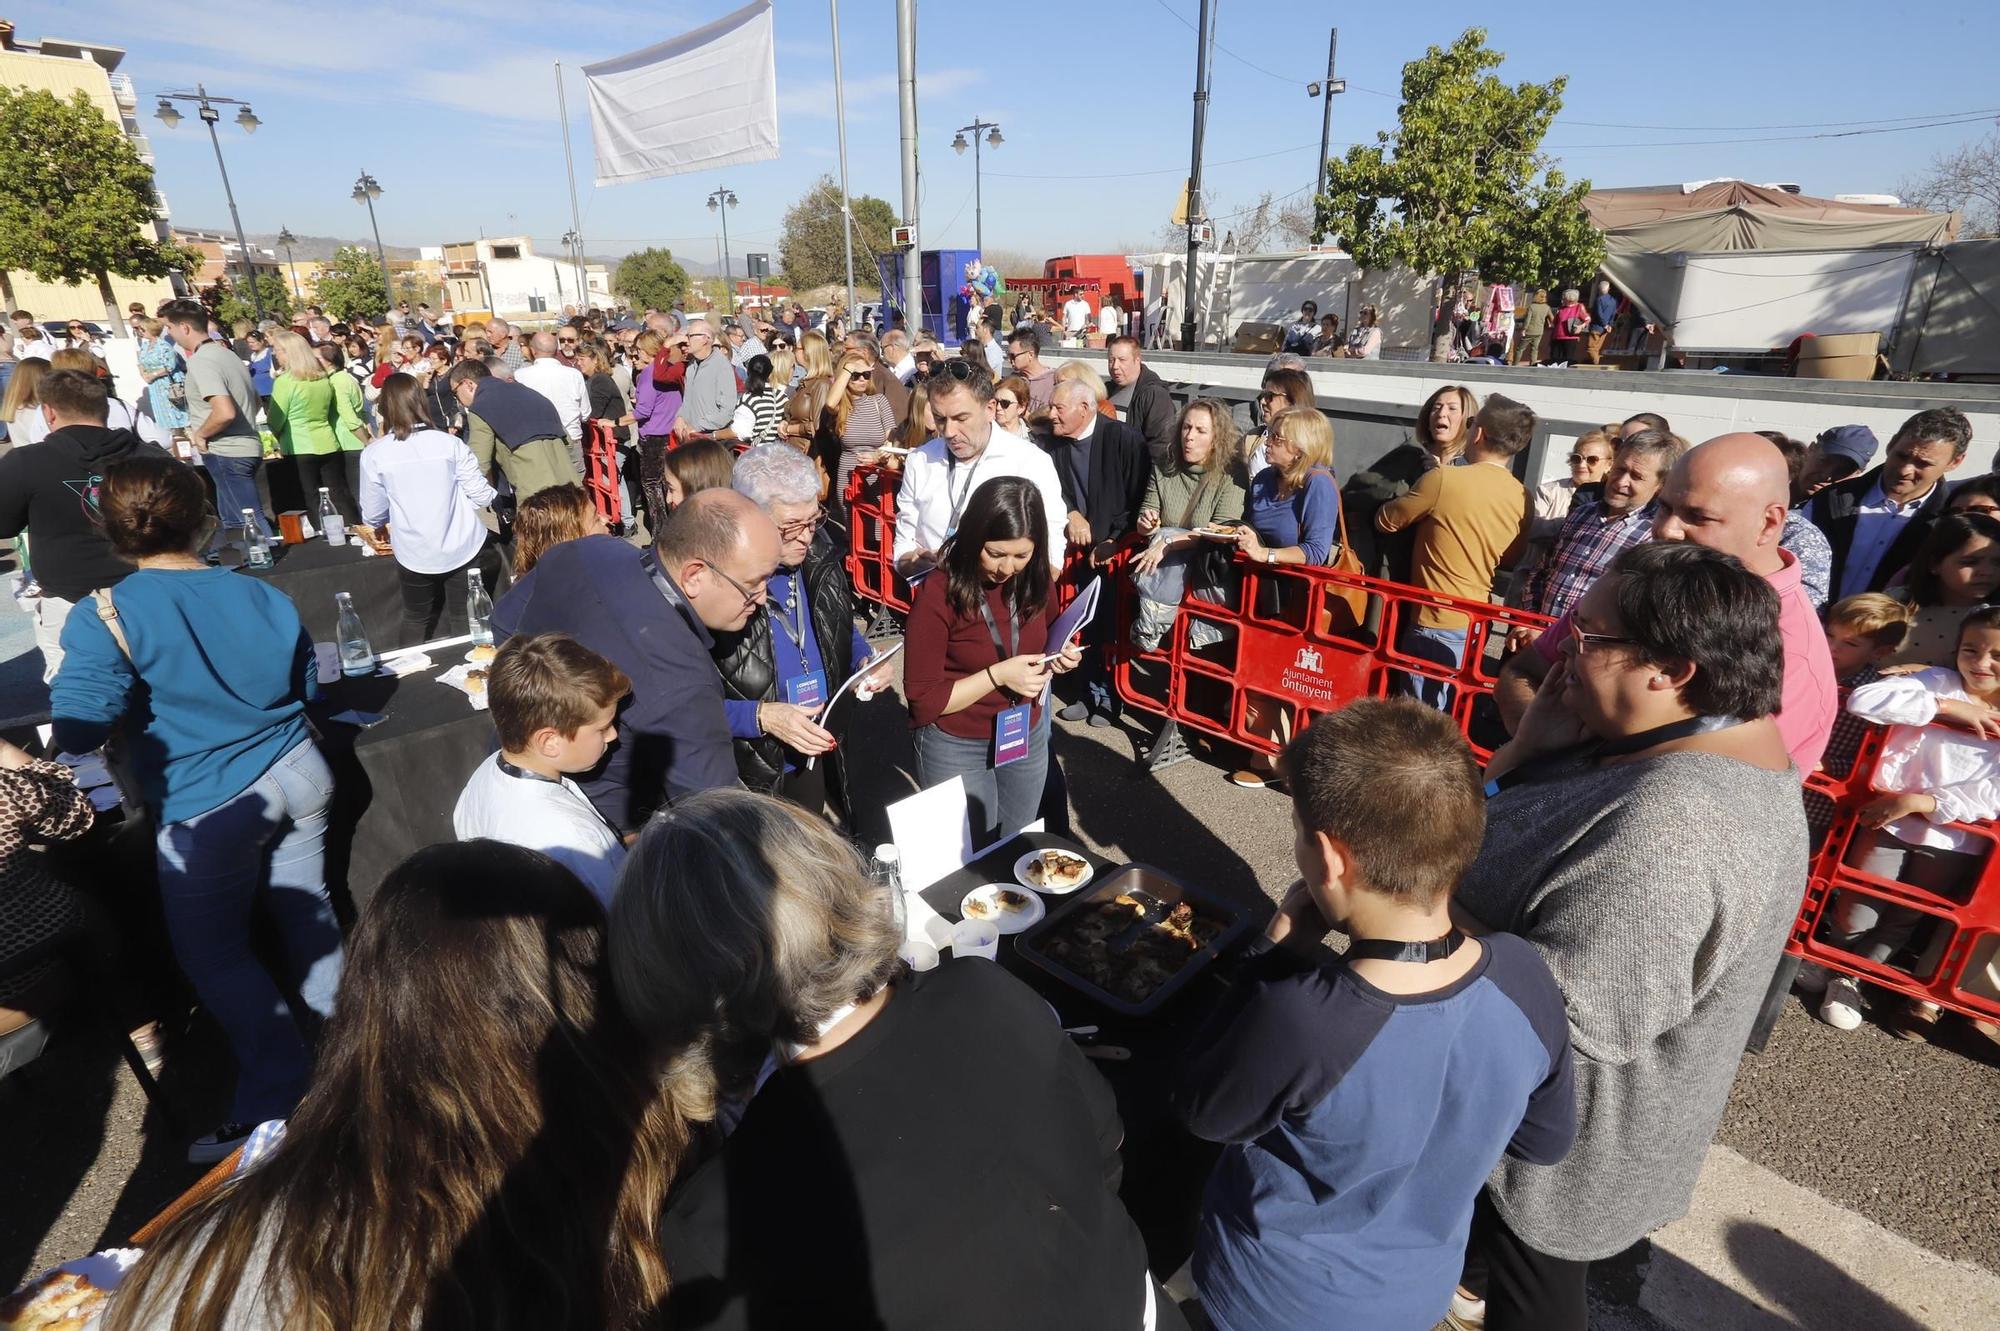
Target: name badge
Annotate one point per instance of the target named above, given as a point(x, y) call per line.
point(1010, 735)
point(807, 690)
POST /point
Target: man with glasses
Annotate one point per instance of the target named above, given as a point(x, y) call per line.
point(563, 385)
point(1024, 356)
point(780, 669)
point(655, 615)
point(743, 344)
point(708, 392)
point(970, 449)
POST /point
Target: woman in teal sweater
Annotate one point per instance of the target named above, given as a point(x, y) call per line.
point(210, 671)
point(313, 423)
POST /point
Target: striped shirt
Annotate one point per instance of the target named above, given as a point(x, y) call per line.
point(1586, 543)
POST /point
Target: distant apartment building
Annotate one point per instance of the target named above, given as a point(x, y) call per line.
point(221, 257)
point(65, 68)
point(504, 276)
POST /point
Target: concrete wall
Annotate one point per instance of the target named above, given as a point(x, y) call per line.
point(1371, 402)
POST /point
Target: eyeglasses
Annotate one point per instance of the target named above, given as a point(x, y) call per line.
point(1585, 641)
point(792, 531)
point(961, 370)
point(1006, 402)
point(1576, 458)
point(751, 599)
point(565, 341)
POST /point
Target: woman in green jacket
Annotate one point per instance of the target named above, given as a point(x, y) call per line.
point(1203, 487)
point(310, 426)
point(351, 404)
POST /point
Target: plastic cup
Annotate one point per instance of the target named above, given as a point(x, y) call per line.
point(920, 956)
point(975, 938)
point(937, 930)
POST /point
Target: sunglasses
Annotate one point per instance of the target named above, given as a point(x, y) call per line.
point(1585, 641)
point(961, 370)
point(1007, 402)
point(1575, 458)
point(565, 341)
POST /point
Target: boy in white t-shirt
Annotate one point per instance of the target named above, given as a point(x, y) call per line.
point(554, 703)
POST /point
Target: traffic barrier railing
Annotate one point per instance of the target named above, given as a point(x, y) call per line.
point(1293, 641)
point(600, 464)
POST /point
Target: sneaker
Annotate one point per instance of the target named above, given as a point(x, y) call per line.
point(1102, 719)
point(1251, 779)
point(1916, 1022)
point(1076, 711)
point(1466, 1313)
point(1841, 1008)
point(218, 1145)
point(1812, 978)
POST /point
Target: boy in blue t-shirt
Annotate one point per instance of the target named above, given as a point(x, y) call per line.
point(1364, 1098)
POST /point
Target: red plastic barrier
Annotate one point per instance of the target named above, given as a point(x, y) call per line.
point(1293, 646)
point(1964, 942)
point(871, 544)
point(600, 463)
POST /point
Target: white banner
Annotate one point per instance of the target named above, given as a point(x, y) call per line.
point(707, 98)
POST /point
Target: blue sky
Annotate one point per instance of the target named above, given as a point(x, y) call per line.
point(451, 105)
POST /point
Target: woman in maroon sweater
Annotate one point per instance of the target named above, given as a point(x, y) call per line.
point(976, 663)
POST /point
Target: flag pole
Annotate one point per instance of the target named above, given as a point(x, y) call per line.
point(575, 221)
point(840, 121)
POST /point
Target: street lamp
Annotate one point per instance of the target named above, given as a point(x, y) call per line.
point(206, 108)
point(286, 240)
point(366, 190)
point(993, 140)
point(573, 243)
point(721, 202)
point(1325, 93)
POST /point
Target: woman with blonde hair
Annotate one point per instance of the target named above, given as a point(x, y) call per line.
point(1077, 372)
point(119, 416)
point(803, 426)
point(916, 431)
point(785, 374)
point(754, 950)
point(815, 355)
point(1364, 340)
point(480, 1146)
point(160, 365)
point(20, 408)
point(1294, 506)
point(550, 517)
point(858, 416)
point(307, 419)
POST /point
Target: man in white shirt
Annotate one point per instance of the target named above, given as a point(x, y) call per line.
point(1076, 314)
point(989, 346)
point(563, 386)
point(29, 338)
point(896, 355)
point(939, 478)
point(554, 704)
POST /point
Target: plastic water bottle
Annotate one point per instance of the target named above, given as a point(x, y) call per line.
point(889, 874)
point(330, 520)
point(257, 550)
point(357, 658)
point(478, 609)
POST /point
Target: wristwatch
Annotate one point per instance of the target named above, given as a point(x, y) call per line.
point(1270, 556)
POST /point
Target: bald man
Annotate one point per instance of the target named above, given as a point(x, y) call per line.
point(654, 614)
point(563, 385)
point(1729, 494)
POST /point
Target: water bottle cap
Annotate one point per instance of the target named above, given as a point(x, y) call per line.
point(888, 854)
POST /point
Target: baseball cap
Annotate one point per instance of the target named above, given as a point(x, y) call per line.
point(1856, 443)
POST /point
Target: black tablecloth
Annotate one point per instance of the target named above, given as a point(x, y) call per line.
point(1165, 1167)
point(310, 574)
point(396, 781)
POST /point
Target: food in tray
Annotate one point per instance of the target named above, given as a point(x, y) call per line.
point(1057, 868)
point(475, 683)
point(481, 654)
point(58, 1299)
point(1130, 945)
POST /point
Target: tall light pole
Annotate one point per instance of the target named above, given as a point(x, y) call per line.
point(840, 122)
point(205, 108)
point(721, 202)
point(286, 240)
point(993, 140)
point(1197, 211)
point(574, 244)
point(1326, 92)
point(367, 189)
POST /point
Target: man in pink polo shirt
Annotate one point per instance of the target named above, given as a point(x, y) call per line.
point(1728, 494)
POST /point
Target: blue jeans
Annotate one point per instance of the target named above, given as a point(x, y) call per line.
point(998, 801)
point(264, 848)
point(236, 489)
point(1445, 647)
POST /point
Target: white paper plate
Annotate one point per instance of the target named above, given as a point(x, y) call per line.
point(1006, 921)
point(1021, 875)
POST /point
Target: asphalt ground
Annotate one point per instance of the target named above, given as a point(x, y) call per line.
point(1906, 1135)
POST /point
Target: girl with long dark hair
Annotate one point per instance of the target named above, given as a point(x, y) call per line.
point(977, 660)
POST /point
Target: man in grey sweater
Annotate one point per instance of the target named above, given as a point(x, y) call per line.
point(709, 398)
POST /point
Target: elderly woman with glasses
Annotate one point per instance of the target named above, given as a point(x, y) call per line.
point(779, 670)
point(1647, 837)
point(896, 1133)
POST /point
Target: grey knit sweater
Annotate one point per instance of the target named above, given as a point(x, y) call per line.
point(1660, 893)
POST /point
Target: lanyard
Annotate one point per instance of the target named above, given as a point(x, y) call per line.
point(958, 502)
point(794, 624)
point(1613, 748)
point(523, 774)
point(1395, 949)
point(1012, 648)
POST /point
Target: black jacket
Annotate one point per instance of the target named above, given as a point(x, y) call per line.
point(747, 662)
point(1120, 465)
point(1836, 509)
point(49, 490)
point(1152, 412)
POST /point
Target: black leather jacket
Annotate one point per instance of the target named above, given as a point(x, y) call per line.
point(747, 662)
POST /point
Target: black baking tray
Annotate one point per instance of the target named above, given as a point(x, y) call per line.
point(1236, 921)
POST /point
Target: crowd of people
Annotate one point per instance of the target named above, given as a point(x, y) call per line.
point(639, 1044)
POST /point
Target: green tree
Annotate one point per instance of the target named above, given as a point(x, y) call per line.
point(1463, 185)
point(810, 250)
point(350, 286)
point(650, 279)
point(230, 300)
point(78, 205)
point(419, 290)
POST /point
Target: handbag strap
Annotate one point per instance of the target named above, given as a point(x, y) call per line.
point(107, 613)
